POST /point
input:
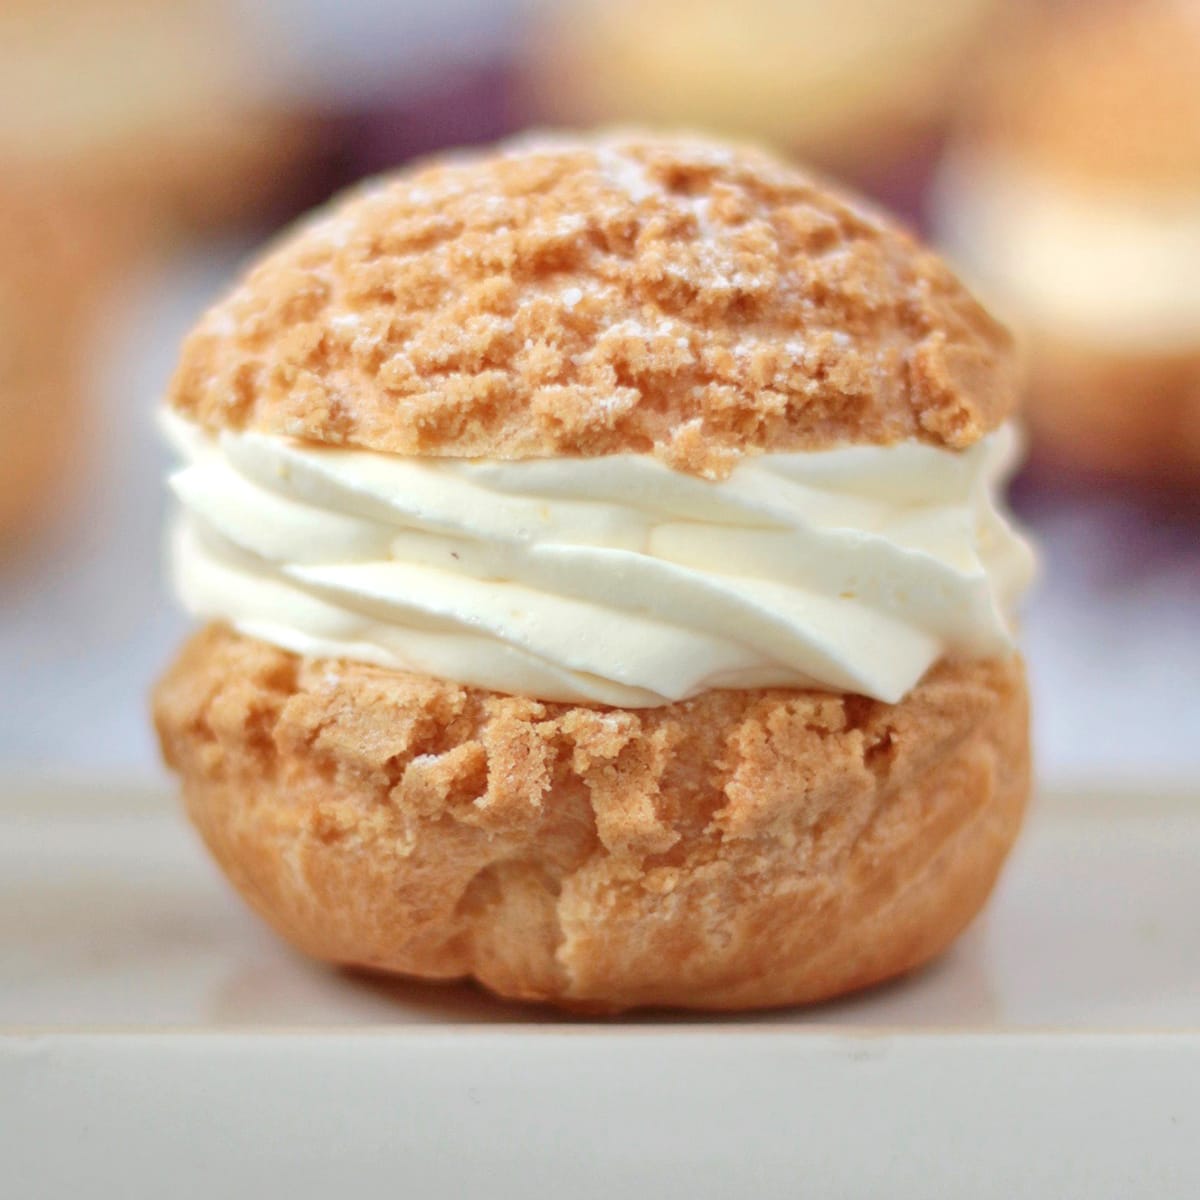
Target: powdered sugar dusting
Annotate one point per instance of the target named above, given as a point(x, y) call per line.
point(625, 173)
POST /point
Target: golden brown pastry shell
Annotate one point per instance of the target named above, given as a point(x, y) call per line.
point(742, 849)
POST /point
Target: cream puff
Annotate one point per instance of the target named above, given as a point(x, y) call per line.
point(606, 585)
point(1071, 198)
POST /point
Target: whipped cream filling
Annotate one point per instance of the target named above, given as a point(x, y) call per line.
point(612, 580)
point(1122, 268)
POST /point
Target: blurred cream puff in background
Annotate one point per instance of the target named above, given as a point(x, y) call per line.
point(861, 88)
point(167, 107)
point(1071, 198)
point(126, 127)
point(55, 263)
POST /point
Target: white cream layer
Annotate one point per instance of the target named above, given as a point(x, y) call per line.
point(611, 580)
point(1122, 269)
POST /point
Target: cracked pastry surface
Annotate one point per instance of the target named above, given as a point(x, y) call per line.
point(574, 297)
point(743, 849)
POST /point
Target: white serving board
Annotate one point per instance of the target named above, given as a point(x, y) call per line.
point(155, 1030)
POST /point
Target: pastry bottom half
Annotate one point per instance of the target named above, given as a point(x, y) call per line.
point(742, 849)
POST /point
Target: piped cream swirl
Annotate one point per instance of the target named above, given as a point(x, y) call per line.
point(611, 580)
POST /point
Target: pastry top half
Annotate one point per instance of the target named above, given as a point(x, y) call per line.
point(608, 421)
point(588, 297)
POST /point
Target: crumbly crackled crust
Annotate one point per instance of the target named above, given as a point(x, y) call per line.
point(582, 296)
point(741, 849)
point(1103, 94)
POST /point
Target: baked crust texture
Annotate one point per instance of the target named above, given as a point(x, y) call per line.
point(742, 849)
point(590, 296)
